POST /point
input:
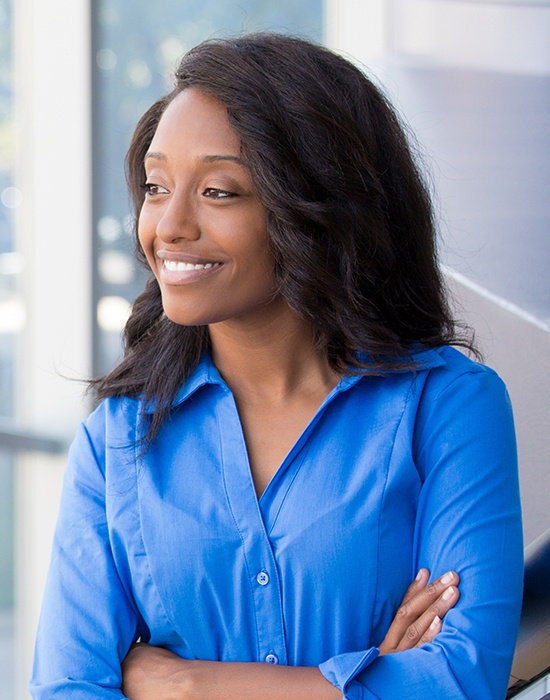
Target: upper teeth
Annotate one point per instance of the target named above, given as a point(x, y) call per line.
point(174, 266)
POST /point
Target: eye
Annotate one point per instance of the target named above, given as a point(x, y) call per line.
point(151, 189)
point(214, 193)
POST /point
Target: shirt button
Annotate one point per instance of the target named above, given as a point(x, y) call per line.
point(262, 578)
point(272, 659)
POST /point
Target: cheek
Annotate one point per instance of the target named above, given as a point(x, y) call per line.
point(146, 236)
point(260, 274)
point(254, 247)
point(266, 259)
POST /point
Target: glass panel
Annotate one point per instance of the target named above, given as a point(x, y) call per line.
point(134, 54)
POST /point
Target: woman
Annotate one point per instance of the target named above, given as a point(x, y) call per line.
point(289, 438)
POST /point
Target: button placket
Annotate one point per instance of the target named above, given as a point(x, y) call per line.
point(258, 557)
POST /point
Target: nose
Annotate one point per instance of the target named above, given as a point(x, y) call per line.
point(178, 220)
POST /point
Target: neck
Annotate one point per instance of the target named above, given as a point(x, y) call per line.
point(273, 360)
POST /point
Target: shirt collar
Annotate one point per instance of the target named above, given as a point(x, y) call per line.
point(424, 359)
point(206, 373)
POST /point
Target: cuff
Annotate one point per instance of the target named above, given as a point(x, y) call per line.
point(342, 669)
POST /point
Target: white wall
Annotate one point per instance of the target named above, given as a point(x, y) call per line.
point(503, 35)
point(52, 41)
point(359, 29)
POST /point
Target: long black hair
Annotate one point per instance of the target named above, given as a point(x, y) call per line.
point(349, 217)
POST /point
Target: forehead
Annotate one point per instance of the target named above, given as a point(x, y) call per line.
point(198, 123)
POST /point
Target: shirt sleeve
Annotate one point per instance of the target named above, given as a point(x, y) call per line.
point(468, 521)
point(87, 622)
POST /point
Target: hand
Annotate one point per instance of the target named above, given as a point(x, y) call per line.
point(418, 618)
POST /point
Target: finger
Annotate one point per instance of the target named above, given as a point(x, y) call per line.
point(420, 582)
point(421, 630)
point(433, 630)
point(401, 622)
point(408, 625)
point(447, 600)
point(411, 609)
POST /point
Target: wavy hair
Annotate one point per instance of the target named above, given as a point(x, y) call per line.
point(349, 217)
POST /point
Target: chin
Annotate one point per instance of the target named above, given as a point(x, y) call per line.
point(184, 319)
point(188, 317)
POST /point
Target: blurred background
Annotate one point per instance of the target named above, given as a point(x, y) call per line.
point(470, 77)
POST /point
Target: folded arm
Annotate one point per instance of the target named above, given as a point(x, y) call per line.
point(151, 672)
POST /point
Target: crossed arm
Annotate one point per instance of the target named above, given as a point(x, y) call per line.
point(151, 672)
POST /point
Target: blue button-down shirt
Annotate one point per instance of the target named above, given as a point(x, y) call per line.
point(394, 473)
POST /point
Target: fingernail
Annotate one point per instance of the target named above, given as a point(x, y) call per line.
point(436, 622)
point(448, 593)
point(419, 575)
point(447, 578)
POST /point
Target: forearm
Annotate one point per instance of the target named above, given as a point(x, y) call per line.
point(150, 673)
point(248, 681)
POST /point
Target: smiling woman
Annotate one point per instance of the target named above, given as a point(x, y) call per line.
point(289, 440)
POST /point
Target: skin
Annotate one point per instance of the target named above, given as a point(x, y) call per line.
point(201, 210)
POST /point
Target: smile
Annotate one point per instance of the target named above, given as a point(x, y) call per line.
point(182, 272)
point(175, 266)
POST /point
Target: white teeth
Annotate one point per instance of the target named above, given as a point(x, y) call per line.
point(174, 266)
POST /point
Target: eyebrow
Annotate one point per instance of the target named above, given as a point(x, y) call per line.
point(154, 155)
point(233, 159)
point(207, 159)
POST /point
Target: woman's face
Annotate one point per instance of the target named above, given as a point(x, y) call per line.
point(202, 226)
